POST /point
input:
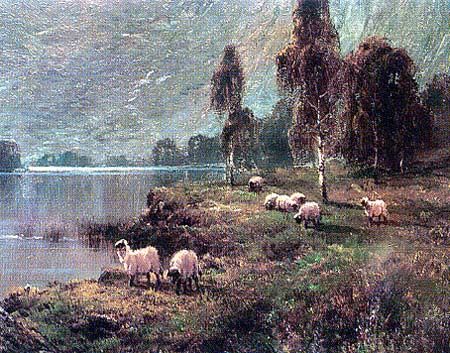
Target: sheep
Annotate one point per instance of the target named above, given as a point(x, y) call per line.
point(270, 201)
point(255, 184)
point(284, 203)
point(183, 268)
point(141, 261)
point(374, 209)
point(298, 199)
point(309, 212)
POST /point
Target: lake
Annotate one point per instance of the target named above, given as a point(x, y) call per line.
point(34, 202)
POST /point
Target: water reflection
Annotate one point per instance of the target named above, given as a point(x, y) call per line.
point(33, 203)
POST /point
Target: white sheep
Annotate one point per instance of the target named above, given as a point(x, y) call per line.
point(375, 209)
point(141, 261)
point(298, 198)
point(271, 201)
point(183, 268)
point(309, 212)
point(255, 184)
point(284, 203)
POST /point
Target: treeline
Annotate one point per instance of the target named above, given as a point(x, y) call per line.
point(365, 108)
point(200, 150)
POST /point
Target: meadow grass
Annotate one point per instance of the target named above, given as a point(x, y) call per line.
point(269, 285)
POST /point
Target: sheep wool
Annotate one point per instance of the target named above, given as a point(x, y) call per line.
point(270, 201)
point(183, 268)
point(375, 209)
point(298, 198)
point(309, 212)
point(186, 263)
point(255, 184)
point(141, 261)
point(285, 204)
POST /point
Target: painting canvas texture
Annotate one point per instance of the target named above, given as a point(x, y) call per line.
point(225, 176)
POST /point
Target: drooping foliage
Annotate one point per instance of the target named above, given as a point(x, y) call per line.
point(385, 120)
point(312, 25)
point(227, 83)
point(239, 138)
point(436, 95)
point(436, 98)
point(307, 67)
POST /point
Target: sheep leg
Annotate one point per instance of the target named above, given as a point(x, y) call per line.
point(185, 286)
point(370, 221)
point(197, 284)
point(132, 278)
point(178, 286)
point(149, 282)
point(190, 285)
point(158, 281)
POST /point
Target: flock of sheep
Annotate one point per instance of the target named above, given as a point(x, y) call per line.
point(309, 212)
point(184, 266)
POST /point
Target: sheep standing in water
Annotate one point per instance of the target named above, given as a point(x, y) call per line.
point(309, 212)
point(255, 184)
point(184, 268)
point(271, 201)
point(375, 209)
point(138, 262)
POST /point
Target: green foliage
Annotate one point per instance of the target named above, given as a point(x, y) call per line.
point(166, 153)
point(274, 135)
point(204, 150)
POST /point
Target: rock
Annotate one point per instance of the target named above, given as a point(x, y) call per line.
point(112, 276)
point(16, 338)
point(9, 156)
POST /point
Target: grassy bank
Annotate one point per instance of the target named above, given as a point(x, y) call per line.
point(269, 284)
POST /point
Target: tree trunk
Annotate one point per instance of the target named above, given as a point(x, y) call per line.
point(230, 167)
point(321, 168)
point(321, 155)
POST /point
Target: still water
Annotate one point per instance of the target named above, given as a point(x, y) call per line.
point(39, 200)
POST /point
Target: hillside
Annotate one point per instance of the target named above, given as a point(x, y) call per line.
point(108, 76)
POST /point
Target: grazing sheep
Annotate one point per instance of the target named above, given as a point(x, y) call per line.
point(183, 268)
point(374, 209)
point(271, 201)
point(298, 199)
point(285, 204)
point(255, 184)
point(309, 212)
point(141, 261)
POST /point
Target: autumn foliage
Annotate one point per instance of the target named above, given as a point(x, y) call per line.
point(384, 120)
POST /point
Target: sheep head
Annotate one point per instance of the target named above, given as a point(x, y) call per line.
point(121, 248)
point(364, 201)
point(174, 275)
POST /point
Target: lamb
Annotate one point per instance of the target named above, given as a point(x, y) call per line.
point(255, 184)
point(309, 212)
point(183, 268)
point(298, 199)
point(285, 204)
point(141, 261)
point(374, 209)
point(270, 201)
